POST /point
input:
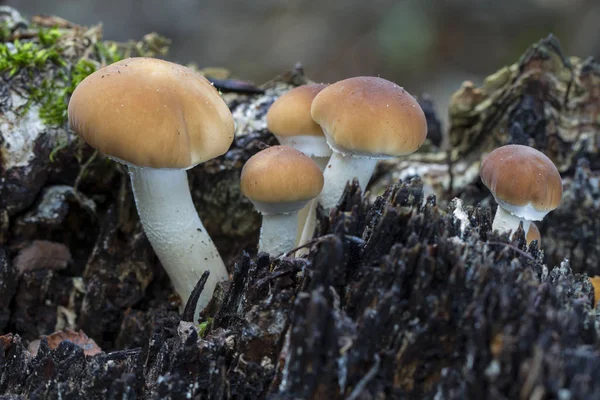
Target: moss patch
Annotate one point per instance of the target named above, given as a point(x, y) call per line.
point(52, 77)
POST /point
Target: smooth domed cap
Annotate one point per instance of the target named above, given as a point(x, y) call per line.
point(371, 117)
point(523, 181)
point(281, 174)
point(289, 115)
point(151, 113)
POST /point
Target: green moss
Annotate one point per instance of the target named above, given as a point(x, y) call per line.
point(49, 37)
point(4, 31)
point(203, 327)
point(22, 55)
point(42, 56)
point(108, 53)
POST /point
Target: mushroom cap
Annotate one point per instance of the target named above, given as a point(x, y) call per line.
point(289, 115)
point(523, 181)
point(595, 281)
point(370, 117)
point(281, 175)
point(151, 113)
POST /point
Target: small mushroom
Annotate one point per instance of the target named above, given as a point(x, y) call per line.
point(160, 119)
point(279, 181)
point(290, 121)
point(525, 184)
point(365, 119)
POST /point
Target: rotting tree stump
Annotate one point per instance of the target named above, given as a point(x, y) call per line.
point(402, 294)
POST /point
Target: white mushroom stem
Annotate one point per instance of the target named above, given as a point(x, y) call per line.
point(312, 146)
point(505, 222)
point(172, 225)
point(303, 214)
point(339, 171)
point(278, 233)
point(321, 161)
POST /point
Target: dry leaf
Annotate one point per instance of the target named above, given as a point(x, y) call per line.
point(42, 254)
point(90, 348)
point(6, 340)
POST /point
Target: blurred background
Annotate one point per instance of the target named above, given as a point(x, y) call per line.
point(423, 45)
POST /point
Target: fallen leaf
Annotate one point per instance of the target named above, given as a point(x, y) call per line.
point(90, 348)
point(42, 254)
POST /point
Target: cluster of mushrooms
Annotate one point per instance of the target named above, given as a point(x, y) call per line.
point(160, 119)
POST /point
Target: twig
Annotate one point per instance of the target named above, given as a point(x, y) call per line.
point(122, 354)
point(190, 306)
point(512, 247)
point(284, 271)
point(83, 168)
point(354, 239)
point(362, 384)
point(235, 86)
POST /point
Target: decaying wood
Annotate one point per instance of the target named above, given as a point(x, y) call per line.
point(399, 296)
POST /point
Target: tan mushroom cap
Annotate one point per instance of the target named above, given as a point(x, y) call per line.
point(151, 113)
point(281, 174)
point(595, 281)
point(370, 116)
point(289, 115)
point(523, 180)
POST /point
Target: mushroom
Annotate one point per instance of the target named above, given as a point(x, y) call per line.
point(290, 121)
point(525, 184)
point(160, 119)
point(279, 181)
point(364, 119)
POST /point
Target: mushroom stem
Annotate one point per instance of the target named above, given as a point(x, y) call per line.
point(505, 222)
point(303, 214)
point(172, 225)
point(321, 161)
point(340, 169)
point(277, 233)
point(315, 146)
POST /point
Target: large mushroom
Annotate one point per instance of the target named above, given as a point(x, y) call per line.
point(365, 119)
point(160, 119)
point(279, 181)
point(525, 184)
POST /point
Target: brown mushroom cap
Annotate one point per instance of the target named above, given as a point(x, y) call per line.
point(151, 113)
point(281, 174)
point(371, 117)
point(523, 181)
point(595, 281)
point(289, 115)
